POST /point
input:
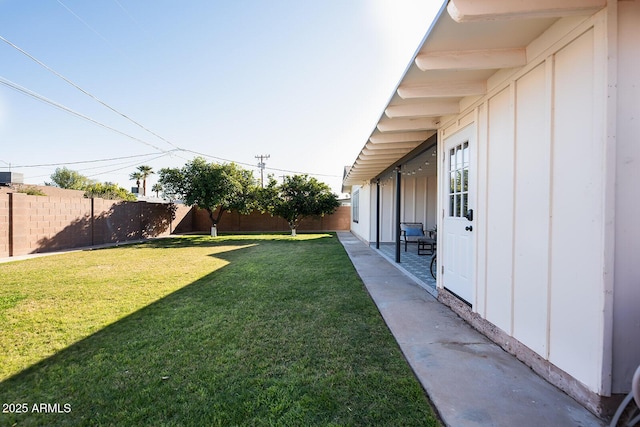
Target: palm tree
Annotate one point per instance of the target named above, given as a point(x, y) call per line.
point(157, 187)
point(145, 171)
point(137, 176)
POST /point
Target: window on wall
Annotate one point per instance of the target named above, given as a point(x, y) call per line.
point(459, 187)
point(355, 206)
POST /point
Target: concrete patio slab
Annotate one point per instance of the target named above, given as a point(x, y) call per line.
point(470, 380)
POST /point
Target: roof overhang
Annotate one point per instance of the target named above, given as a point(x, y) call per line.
point(468, 42)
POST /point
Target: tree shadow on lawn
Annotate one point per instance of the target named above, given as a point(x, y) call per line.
point(223, 351)
point(188, 240)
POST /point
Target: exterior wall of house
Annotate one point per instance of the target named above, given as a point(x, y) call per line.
point(541, 201)
point(387, 212)
point(361, 227)
point(556, 236)
point(626, 305)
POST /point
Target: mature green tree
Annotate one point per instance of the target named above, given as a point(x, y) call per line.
point(298, 197)
point(70, 179)
point(210, 186)
point(108, 190)
point(66, 178)
point(145, 171)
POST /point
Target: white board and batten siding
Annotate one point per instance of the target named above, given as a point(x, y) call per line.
point(540, 219)
point(420, 200)
point(626, 304)
point(361, 222)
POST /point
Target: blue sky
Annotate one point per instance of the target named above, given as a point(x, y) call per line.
point(303, 81)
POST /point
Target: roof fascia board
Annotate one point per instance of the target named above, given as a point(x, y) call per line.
point(492, 10)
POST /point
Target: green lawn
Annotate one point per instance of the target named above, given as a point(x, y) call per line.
point(236, 330)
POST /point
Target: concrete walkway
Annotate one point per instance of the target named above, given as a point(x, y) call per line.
point(470, 380)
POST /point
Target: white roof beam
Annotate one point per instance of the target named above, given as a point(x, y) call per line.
point(374, 155)
point(400, 137)
point(367, 175)
point(366, 156)
point(397, 146)
point(377, 157)
point(367, 172)
point(395, 125)
point(443, 90)
point(472, 59)
point(360, 172)
point(492, 10)
point(425, 109)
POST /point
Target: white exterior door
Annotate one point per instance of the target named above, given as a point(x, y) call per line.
point(458, 201)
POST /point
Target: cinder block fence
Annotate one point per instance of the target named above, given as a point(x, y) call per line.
point(33, 224)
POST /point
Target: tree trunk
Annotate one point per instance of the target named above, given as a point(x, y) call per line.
point(293, 225)
point(214, 223)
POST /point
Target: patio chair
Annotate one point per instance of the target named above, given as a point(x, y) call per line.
point(427, 244)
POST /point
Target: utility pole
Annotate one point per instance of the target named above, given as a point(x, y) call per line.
point(261, 165)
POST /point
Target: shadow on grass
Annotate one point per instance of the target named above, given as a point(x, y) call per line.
point(234, 239)
point(257, 342)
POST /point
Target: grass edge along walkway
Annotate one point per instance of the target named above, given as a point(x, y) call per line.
point(236, 330)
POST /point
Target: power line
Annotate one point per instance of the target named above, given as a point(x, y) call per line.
point(216, 158)
point(57, 105)
point(252, 165)
point(41, 98)
point(95, 98)
point(131, 16)
point(128, 166)
point(303, 173)
point(82, 161)
point(86, 24)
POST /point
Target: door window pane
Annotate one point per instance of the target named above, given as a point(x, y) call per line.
point(465, 206)
point(465, 154)
point(459, 180)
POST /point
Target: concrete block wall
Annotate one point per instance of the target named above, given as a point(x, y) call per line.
point(19, 224)
point(234, 222)
point(52, 223)
point(4, 225)
point(32, 224)
point(183, 220)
